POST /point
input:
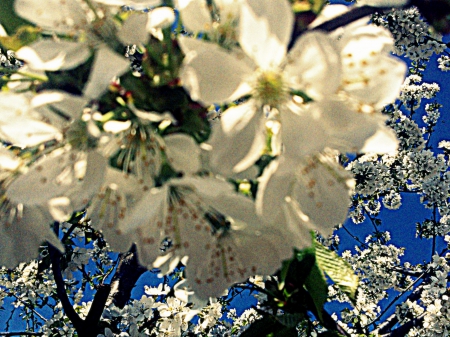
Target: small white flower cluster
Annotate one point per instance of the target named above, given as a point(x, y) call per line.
point(8, 61)
point(434, 300)
point(444, 63)
point(432, 114)
point(413, 37)
point(413, 91)
point(376, 263)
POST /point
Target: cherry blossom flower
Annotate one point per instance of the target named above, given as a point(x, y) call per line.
point(64, 181)
point(311, 196)
point(220, 25)
point(264, 70)
point(92, 27)
point(23, 228)
point(20, 124)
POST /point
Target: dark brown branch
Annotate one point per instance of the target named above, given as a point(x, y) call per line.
point(61, 290)
point(128, 272)
point(87, 327)
point(98, 305)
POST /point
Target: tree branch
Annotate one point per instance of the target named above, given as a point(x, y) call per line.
point(128, 272)
point(98, 305)
point(404, 329)
point(61, 290)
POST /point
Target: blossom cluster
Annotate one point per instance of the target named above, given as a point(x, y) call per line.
point(223, 142)
point(104, 145)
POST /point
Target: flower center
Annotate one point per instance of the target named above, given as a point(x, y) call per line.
point(270, 88)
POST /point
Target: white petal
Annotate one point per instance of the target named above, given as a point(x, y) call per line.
point(115, 200)
point(265, 28)
point(51, 55)
point(303, 130)
point(344, 126)
point(22, 231)
point(236, 206)
point(329, 12)
point(365, 40)
point(237, 255)
point(183, 153)
point(238, 140)
point(70, 106)
point(14, 106)
point(25, 132)
point(206, 187)
point(383, 141)
point(314, 65)
point(384, 3)
point(378, 84)
point(194, 14)
point(212, 75)
point(274, 186)
point(322, 192)
point(73, 174)
point(229, 9)
point(93, 178)
point(107, 64)
point(161, 17)
point(133, 30)
point(144, 216)
point(8, 161)
point(135, 4)
point(56, 15)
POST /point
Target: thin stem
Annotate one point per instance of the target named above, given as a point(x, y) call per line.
point(41, 78)
point(398, 296)
point(363, 245)
point(433, 246)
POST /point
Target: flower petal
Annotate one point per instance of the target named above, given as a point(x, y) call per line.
point(323, 192)
point(107, 64)
point(265, 28)
point(183, 153)
point(25, 132)
point(383, 141)
point(22, 231)
point(212, 75)
point(238, 140)
point(52, 56)
point(133, 30)
point(56, 15)
point(73, 174)
point(194, 14)
point(301, 124)
point(314, 65)
point(274, 185)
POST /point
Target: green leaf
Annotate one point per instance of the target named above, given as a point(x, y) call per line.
point(9, 19)
point(317, 288)
point(337, 269)
point(314, 6)
point(24, 36)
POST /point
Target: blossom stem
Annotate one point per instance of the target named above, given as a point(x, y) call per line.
point(33, 76)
